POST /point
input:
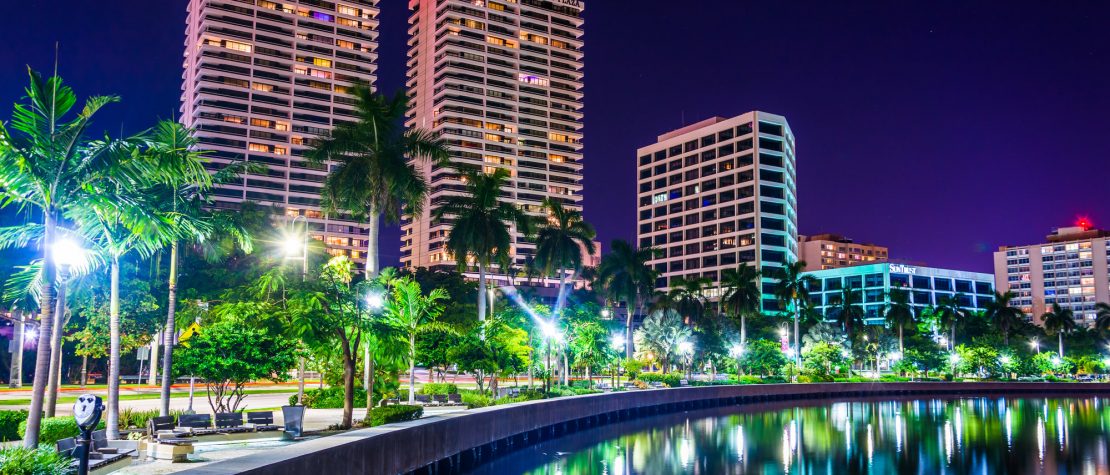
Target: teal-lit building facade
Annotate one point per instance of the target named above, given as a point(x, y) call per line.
point(925, 286)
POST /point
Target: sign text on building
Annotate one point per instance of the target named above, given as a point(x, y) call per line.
point(903, 269)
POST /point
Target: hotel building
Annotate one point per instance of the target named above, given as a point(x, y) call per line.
point(261, 80)
point(1070, 269)
point(831, 251)
point(501, 82)
point(926, 286)
point(719, 193)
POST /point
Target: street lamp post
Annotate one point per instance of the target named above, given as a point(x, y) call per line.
point(67, 255)
point(617, 342)
point(291, 246)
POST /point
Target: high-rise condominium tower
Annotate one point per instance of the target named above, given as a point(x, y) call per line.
point(262, 78)
point(501, 81)
point(719, 193)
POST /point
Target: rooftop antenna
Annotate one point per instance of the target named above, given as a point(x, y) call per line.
point(684, 117)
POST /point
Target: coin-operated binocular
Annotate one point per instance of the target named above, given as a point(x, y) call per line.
point(87, 411)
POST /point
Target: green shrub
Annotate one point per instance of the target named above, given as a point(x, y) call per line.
point(650, 377)
point(474, 399)
point(54, 429)
point(439, 388)
point(394, 413)
point(129, 418)
point(329, 398)
point(9, 424)
point(748, 379)
point(814, 378)
point(16, 460)
point(892, 378)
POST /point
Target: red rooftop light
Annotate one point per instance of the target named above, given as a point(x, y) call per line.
point(1083, 222)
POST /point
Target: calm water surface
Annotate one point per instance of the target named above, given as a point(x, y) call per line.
point(930, 436)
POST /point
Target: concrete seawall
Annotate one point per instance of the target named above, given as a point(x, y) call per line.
point(461, 439)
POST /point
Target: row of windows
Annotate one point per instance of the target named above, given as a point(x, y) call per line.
point(721, 136)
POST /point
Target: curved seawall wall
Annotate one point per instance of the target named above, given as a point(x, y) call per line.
point(440, 443)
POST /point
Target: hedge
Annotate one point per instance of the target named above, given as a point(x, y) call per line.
point(9, 424)
point(395, 413)
point(439, 388)
point(54, 429)
point(671, 379)
point(328, 398)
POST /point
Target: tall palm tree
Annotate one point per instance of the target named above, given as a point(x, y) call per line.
point(185, 201)
point(1059, 321)
point(689, 297)
point(44, 166)
point(480, 227)
point(899, 313)
point(1003, 315)
point(411, 313)
point(626, 277)
point(125, 219)
point(849, 312)
point(792, 289)
point(1102, 318)
point(949, 314)
point(742, 295)
point(374, 177)
point(560, 243)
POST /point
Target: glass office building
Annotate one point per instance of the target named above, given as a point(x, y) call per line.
point(926, 286)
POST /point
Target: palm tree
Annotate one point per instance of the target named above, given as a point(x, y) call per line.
point(411, 313)
point(899, 313)
point(45, 166)
point(480, 228)
point(125, 219)
point(1059, 321)
point(1102, 317)
point(1003, 315)
point(373, 177)
point(742, 295)
point(661, 334)
point(560, 243)
point(185, 201)
point(849, 312)
point(949, 314)
point(689, 297)
point(792, 289)
point(626, 277)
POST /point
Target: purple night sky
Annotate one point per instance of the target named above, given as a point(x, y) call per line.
point(942, 131)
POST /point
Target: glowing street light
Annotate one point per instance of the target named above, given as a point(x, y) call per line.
point(895, 356)
point(737, 350)
point(1036, 344)
point(685, 347)
point(375, 300)
point(67, 253)
point(1055, 360)
point(618, 341)
point(296, 246)
point(954, 358)
point(1004, 360)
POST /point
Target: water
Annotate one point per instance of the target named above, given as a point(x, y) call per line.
point(985, 435)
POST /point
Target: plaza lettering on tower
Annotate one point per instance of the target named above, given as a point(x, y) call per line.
point(569, 3)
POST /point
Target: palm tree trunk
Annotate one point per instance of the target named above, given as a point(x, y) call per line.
point(481, 292)
point(952, 340)
point(84, 370)
point(56, 345)
point(566, 368)
point(167, 337)
point(46, 327)
point(901, 347)
point(15, 372)
point(797, 357)
point(113, 353)
point(1060, 339)
point(560, 298)
point(372, 244)
point(370, 384)
point(348, 381)
point(412, 368)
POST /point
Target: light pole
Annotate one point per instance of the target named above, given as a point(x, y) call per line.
point(551, 334)
point(67, 255)
point(737, 352)
point(687, 350)
point(291, 248)
point(617, 342)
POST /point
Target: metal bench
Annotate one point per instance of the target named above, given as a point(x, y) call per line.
point(422, 399)
point(454, 398)
point(196, 423)
point(230, 422)
point(439, 399)
point(102, 458)
point(262, 421)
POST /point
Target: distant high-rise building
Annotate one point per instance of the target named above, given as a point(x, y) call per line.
point(831, 251)
point(1070, 269)
point(718, 193)
point(501, 82)
point(261, 80)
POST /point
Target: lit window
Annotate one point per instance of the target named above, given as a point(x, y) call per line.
point(262, 87)
point(257, 147)
point(237, 46)
point(530, 79)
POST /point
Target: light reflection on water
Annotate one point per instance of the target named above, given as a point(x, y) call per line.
point(942, 436)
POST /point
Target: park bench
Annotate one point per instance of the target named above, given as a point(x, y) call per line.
point(262, 421)
point(454, 399)
point(196, 424)
point(231, 423)
point(422, 399)
point(439, 399)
